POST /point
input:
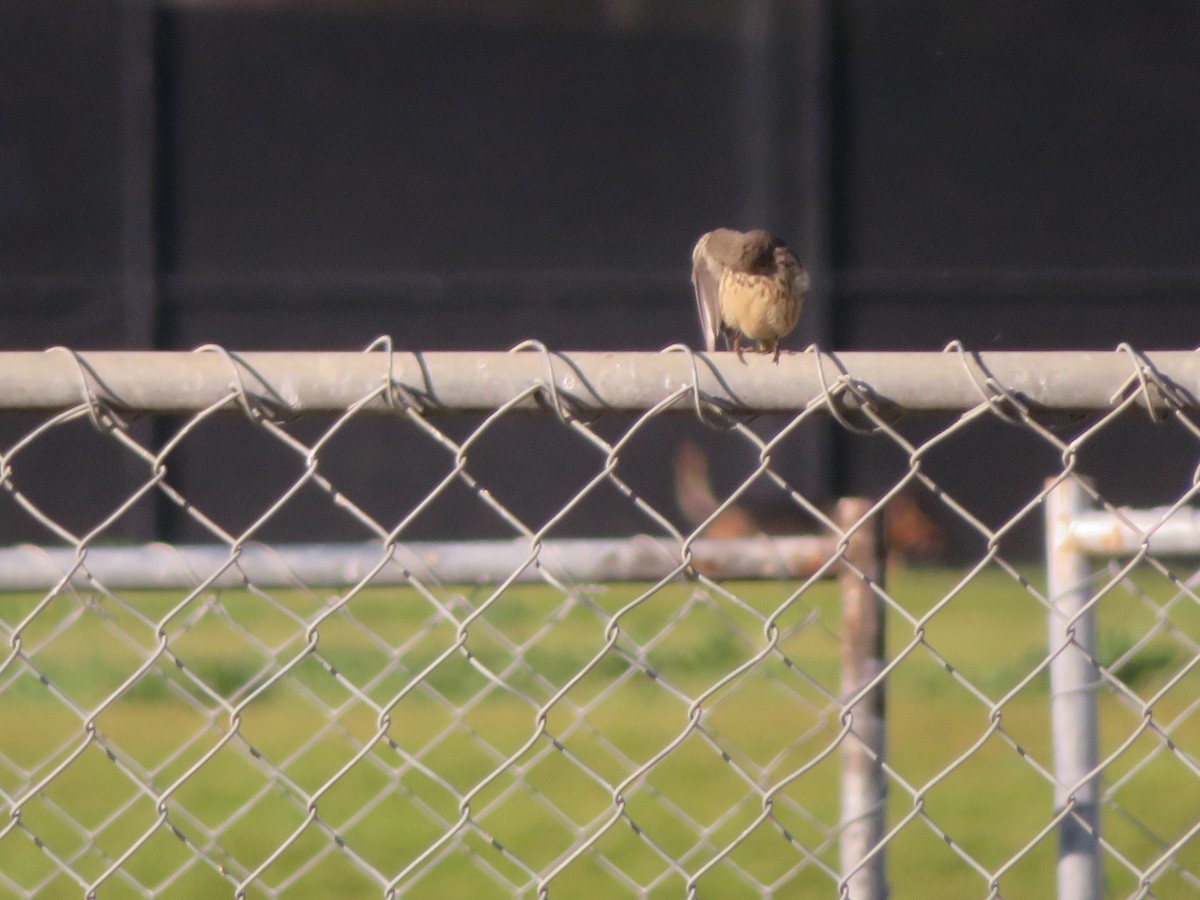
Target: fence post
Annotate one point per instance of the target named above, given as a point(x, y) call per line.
point(1073, 682)
point(864, 786)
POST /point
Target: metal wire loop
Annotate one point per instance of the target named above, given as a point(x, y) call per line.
point(1146, 377)
point(394, 390)
point(999, 399)
point(720, 420)
point(844, 384)
point(548, 387)
point(269, 406)
point(100, 410)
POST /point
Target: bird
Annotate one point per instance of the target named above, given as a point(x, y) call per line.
point(748, 284)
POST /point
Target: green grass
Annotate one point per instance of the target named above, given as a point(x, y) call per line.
point(961, 680)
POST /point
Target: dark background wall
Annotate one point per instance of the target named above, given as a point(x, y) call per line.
point(268, 175)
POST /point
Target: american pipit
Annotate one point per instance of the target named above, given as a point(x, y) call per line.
point(747, 284)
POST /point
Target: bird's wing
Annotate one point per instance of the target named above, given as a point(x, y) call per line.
point(706, 279)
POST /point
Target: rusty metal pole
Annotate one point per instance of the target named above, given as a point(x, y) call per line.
point(864, 785)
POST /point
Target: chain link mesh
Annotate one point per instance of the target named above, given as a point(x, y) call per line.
point(401, 731)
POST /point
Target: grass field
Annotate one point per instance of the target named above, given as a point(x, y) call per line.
point(382, 807)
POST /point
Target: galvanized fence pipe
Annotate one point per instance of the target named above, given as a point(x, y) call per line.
point(640, 558)
point(1074, 680)
point(476, 382)
point(1077, 535)
point(863, 638)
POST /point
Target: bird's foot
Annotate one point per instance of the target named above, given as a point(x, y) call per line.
point(772, 347)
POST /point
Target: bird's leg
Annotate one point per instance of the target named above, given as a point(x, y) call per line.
point(737, 345)
point(770, 345)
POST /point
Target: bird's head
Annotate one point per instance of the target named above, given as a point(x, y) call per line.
point(758, 252)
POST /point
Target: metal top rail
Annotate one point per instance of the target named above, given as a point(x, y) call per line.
point(165, 382)
point(1164, 531)
point(640, 558)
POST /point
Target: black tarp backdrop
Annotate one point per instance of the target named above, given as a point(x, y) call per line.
point(268, 176)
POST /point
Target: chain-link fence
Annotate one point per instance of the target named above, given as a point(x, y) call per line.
point(657, 667)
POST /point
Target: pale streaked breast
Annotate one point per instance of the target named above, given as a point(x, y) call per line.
point(761, 307)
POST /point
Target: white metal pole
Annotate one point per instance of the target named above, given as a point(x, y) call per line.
point(864, 784)
point(579, 560)
point(1073, 683)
